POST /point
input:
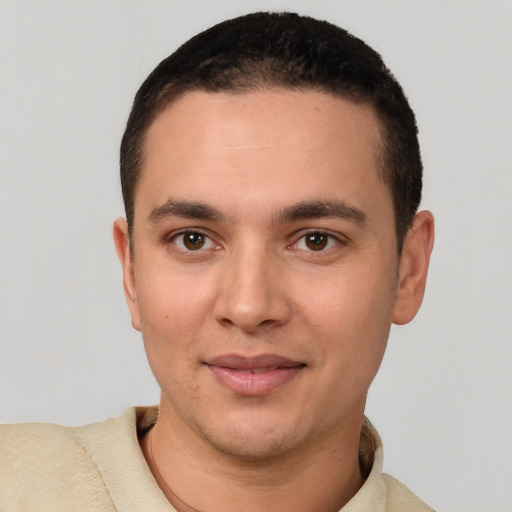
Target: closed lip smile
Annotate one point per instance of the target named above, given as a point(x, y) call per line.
point(253, 376)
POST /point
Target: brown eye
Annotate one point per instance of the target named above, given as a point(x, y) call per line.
point(193, 241)
point(316, 241)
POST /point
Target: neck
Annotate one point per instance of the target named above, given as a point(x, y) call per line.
point(199, 479)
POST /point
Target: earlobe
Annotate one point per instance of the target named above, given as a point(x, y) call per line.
point(414, 263)
point(122, 243)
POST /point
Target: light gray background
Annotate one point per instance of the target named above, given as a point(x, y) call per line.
point(69, 70)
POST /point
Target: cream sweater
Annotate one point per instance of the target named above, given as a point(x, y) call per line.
point(100, 467)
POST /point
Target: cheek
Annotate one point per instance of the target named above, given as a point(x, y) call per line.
point(169, 300)
point(350, 318)
point(173, 313)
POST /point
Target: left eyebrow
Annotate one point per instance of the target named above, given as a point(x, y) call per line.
point(319, 209)
point(184, 209)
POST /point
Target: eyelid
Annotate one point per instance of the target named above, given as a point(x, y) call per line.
point(171, 237)
point(300, 235)
point(339, 238)
point(182, 231)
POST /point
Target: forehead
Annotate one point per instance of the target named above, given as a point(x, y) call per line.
point(291, 140)
point(200, 111)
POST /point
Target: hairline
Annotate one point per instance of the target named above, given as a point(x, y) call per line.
point(170, 95)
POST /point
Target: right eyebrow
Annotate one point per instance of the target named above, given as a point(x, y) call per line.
point(319, 209)
point(185, 209)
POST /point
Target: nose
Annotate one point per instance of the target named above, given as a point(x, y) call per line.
point(251, 293)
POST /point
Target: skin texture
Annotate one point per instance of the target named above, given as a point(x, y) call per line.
point(251, 284)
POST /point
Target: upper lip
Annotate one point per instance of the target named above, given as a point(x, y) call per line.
point(239, 362)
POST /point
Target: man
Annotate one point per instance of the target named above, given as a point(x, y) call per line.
point(271, 176)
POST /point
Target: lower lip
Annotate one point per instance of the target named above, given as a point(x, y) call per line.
point(254, 384)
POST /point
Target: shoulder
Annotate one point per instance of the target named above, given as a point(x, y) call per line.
point(29, 447)
point(400, 499)
point(97, 467)
point(380, 491)
point(43, 464)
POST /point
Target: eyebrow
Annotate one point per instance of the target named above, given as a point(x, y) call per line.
point(319, 209)
point(299, 211)
point(185, 209)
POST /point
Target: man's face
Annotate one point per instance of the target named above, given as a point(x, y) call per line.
point(265, 266)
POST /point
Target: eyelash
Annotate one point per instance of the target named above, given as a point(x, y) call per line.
point(331, 238)
point(207, 240)
point(182, 234)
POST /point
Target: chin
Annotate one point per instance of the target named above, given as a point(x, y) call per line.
point(251, 449)
point(251, 441)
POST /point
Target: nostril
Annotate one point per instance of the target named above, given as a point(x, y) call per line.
point(250, 297)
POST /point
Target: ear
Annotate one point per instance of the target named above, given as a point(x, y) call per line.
point(122, 243)
point(413, 270)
